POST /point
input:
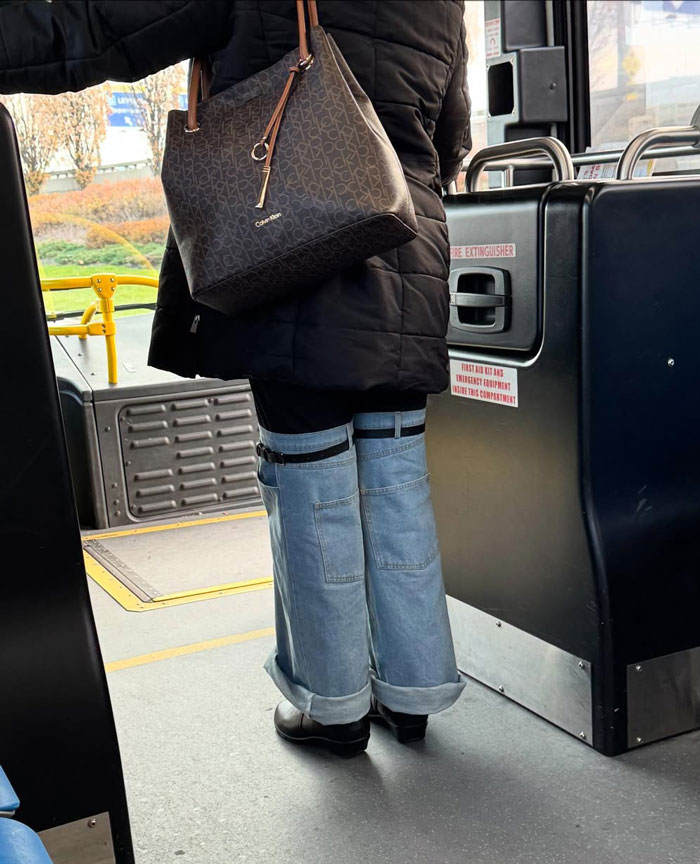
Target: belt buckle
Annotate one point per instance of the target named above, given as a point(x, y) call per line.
point(269, 455)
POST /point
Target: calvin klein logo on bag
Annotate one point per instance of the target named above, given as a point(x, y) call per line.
point(270, 218)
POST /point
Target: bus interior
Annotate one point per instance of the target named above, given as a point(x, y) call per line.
point(137, 609)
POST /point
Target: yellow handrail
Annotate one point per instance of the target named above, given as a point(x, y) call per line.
point(71, 282)
point(105, 286)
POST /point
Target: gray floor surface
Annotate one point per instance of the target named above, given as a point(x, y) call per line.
point(210, 782)
point(166, 562)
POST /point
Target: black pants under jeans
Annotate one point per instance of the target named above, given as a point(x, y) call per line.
point(286, 408)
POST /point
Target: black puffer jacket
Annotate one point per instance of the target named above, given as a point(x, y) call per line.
point(380, 324)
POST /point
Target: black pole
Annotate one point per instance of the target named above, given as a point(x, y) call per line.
point(570, 24)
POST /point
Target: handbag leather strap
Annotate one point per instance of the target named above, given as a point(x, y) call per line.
point(199, 78)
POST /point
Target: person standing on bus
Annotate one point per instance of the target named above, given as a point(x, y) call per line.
point(340, 376)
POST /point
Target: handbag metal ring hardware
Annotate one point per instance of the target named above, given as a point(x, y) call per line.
point(190, 131)
point(254, 151)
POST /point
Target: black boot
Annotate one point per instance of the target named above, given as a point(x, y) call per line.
point(343, 739)
point(406, 727)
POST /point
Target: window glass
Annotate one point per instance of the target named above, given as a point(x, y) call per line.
point(474, 21)
point(476, 75)
point(644, 66)
point(91, 164)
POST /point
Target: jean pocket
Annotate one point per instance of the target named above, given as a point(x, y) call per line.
point(267, 473)
point(401, 525)
point(267, 483)
point(339, 528)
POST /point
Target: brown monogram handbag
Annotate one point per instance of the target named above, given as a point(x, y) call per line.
point(283, 179)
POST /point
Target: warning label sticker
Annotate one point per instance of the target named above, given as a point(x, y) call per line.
point(492, 30)
point(487, 250)
point(472, 380)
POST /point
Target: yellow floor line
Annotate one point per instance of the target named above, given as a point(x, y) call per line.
point(129, 601)
point(182, 650)
point(116, 590)
point(263, 581)
point(150, 529)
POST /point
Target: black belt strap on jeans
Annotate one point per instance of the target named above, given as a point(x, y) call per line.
point(390, 433)
point(291, 458)
point(316, 455)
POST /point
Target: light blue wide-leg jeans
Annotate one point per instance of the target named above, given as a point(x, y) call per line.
point(413, 667)
point(359, 597)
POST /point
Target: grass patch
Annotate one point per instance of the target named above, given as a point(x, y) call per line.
point(106, 257)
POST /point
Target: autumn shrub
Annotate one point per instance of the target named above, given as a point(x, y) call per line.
point(51, 226)
point(138, 232)
point(118, 201)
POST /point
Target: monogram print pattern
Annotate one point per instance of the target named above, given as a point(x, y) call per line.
point(336, 195)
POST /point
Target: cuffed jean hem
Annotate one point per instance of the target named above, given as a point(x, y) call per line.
point(328, 710)
point(418, 700)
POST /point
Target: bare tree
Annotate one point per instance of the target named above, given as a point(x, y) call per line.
point(81, 122)
point(155, 96)
point(34, 121)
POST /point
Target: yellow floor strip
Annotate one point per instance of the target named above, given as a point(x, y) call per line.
point(182, 650)
point(249, 584)
point(150, 529)
point(125, 598)
point(129, 601)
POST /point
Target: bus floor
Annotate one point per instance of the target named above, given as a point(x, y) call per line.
point(210, 782)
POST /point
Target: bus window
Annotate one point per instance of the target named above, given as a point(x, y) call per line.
point(91, 163)
point(474, 23)
point(644, 68)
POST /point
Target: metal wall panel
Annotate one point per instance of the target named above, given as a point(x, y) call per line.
point(551, 682)
point(85, 841)
point(663, 696)
point(184, 454)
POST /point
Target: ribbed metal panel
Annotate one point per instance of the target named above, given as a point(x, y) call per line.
point(139, 449)
point(182, 454)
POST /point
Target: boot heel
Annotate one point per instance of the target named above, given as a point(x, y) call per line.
point(409, 734)
point(348, 749)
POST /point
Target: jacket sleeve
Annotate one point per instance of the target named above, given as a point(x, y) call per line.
point(73, 44)
point(452, 138)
